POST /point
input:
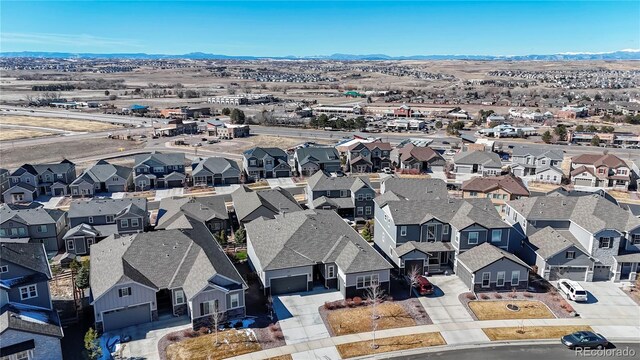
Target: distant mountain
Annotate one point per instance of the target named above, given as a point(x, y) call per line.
point(616, 55)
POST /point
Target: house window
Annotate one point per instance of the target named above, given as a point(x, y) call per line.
point(570, 254)
point(158, 169)
point(445, 230)
point(22, 231)
point(496, 235)
point(367, 210)
point(124, 292)
point(359, 210)
point(207, 308)
point(22, 355)
point(124, 223)
point(90, 219)
point(328, 193)
point(403, 231)
point(42, 228)
point(135, 222)
point(4, 269)
point(500, 279)
point(252, 162)
point(473, 237)
point(473, 194)
point(363, 282)
point(605, 242)
point(331, 272)
point(386, 217)
point(486, 279)
point(515, 278)
point(621, 172)
point(343, 193)
point(234, 299)
point(110, 219)
point(431, 233)
point(3, 232)
point(70, 245)
point(28, 292)
point(360, 197)
point(636, 239)
point(178, 296)
point(115, 178)
point(369, 197)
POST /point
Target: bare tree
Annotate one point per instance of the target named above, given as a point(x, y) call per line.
point(413, 276)
point(374, 295)
point(217, 317)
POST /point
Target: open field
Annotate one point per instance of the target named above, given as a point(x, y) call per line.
point(532, 332)
point(15, 134)
point(57, 123)
point(395, 343)
point(497, 310)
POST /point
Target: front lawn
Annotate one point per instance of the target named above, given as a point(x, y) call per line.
point(395, 343)
point(230, 343)
point(497, 310)
point(358, 319)
point(532, 332)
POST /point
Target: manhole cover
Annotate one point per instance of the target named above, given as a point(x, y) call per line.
point(513, 307)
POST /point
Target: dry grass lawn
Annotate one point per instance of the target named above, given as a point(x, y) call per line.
point(230, 343)
point(532, 332)
point(281, 357)
point(14, 134)
point(542, 187)
point(56, 123)
point(356, 320)
point(414, 176)
point(497, 310)
point(396, 343)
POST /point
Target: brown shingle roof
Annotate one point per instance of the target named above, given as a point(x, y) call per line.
point(597, 160)
point(418, 153)
point(508, 183)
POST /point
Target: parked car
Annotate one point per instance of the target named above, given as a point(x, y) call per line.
point(387, 170)
point(572, 289)
point(584, 339)
point(423, 286)
point(337, 174)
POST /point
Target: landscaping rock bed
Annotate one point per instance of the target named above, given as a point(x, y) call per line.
point(552, 299)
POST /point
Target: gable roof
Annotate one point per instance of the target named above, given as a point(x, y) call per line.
point(317, 154)
point(419, 153)
point(486, 254)
point(597, 160)
point(322, 182)
point(165, 159)
point(98, 207)
point(307, 237)
point(537, 152)
point(550, 242)
point(591, 212)
point(103, 171)
point(31, 319)
point(415, 189)
point(199, 208)
point(37, 169)
point(30, 215)
point(259, 152)
point(509, 183)
point(215, 165)
point(28, 255)
point(485, 158)
point(246, 201)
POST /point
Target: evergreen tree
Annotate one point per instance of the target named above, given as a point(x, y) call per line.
point(241, 236)
point(92, 344)
point(546, 137)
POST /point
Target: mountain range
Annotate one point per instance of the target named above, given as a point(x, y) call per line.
point(615, 55)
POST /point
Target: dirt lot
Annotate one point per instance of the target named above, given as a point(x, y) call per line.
point(14, 134)
point(81, 149)
point(56, 123)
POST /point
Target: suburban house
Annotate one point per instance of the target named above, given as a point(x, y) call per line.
point(102, 177)
point(4, 180)
point(490, 268)
point(294, 252)
point(309, 160)
point(30, 181)
point(267, 163)
point(141, 278)
point(158, 170)
point(499, 189)
point(538, 162)
point(33, 224)
point(215, 171)
point(605, 171)
point(250, 204)
point(93, 220)
point(350, 197)
point(429, 234)
point(477, 162)
point(420, 158)
point(210, 210)
point(593, 238)
point(363, 157)
point(29, 326)
point(415, 189)
point(225, 130)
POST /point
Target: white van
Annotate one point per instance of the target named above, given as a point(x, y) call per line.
point(572, 289)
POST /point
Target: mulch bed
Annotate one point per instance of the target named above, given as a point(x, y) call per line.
point(554, 301)
point(411, 306)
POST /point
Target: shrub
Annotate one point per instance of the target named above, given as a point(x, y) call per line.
point(484, 296)
point(173, 337)
point(357, 301)
point(470, 296)
point(278, 335)
point(513, 295)
point(497, 296)
point(329, 305)
point(340, 304)
point(567, 307)
point(528, 295)
point(274, 327)
point(189, 333)
point(203, 330)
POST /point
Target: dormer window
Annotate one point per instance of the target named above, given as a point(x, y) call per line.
point(4, 269)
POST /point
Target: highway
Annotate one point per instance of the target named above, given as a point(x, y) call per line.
point(527, 352)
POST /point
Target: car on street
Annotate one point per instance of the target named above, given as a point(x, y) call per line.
point(573, 290)
point(584, 340)
point(423, 286)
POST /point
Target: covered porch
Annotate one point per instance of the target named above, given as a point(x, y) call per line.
point(626, 267)
point(426, 257)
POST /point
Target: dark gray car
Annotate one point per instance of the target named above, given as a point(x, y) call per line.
point(584, 339)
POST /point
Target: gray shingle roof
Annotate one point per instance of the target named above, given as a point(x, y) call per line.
point(28, 255)
point(165, 159)
point(31, 319)
point(416, 189)
point(246, 201)
point(485, 254)
point(98, 207)
point(591, 212)
point(30, 216)
point(200, 208)
point(103, 171)
point(217, 165)
point(259, 152)
point(339, 203)
point(317, 154)
point(308, 237)
point(425, 247)
point(321, 182)
point(537, 152)
point(550, 242)
point(485, 158)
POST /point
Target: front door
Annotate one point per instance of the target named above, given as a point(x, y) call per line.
point(81, 247)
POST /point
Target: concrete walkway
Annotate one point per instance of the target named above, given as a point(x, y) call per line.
point(458, 333)
point(444, 306)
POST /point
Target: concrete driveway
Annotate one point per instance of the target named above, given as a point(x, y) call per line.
point(606, 301)
point(444, 306)
point(299, 317)
point(165, 193)
point(281, 182)
point(226, 189)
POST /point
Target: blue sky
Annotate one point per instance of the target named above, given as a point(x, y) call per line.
point(268, 28)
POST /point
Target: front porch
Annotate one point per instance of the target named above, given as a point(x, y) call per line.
point(427, 257)
point(626, 267)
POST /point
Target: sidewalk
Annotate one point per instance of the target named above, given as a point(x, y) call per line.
point(458, 334)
